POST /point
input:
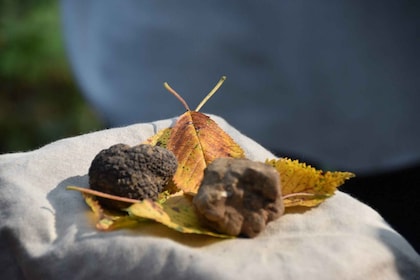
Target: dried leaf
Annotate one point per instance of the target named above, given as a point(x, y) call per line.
point(177, 212)
point(161, 138)
point(107, 220)
point(303, 185)
point(196, 140)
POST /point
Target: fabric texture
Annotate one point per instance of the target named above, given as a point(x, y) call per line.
point(47, 232)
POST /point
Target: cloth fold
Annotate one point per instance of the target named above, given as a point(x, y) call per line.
point(47, 232)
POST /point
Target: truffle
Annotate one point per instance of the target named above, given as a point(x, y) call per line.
point(137, 172)
point(239, 196)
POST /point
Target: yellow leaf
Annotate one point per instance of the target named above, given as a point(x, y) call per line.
point(107, 220)
point(303, 185)
point(160, 139)
point(177, 212)
point(196, 140)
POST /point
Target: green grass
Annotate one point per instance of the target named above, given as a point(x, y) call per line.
point(39, 101)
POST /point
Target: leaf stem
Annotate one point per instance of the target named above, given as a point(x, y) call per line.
point(297, 194)
point(104, 195)
point(211, 93)
point(171, 90)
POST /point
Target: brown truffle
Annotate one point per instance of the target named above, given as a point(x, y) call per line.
point(137, 172)
point(239, 196)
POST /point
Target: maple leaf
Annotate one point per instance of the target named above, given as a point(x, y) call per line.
point(303, 185)
point(196, 140)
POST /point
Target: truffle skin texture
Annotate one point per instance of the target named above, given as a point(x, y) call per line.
point(239, 196)
point(137, 172)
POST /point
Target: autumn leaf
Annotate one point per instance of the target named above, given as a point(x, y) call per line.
point(196, 140)
point(161, 138)
point(107, 220)
point(177, 212)
point(303, 185)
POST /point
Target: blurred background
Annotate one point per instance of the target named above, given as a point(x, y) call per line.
point(39, 101)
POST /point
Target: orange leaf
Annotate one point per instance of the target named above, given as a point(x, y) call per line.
point(196, 140)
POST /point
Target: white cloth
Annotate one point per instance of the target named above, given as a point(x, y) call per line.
point(46, 231)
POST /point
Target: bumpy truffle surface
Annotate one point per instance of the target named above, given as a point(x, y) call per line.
point(239, 196)
point(137, 172)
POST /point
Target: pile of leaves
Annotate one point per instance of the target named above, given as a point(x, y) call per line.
point(196, 140)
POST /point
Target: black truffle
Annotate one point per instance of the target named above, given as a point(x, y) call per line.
point(137, 172)
point(239, 196)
